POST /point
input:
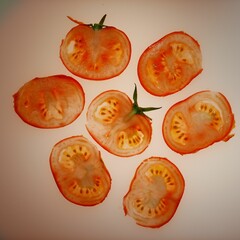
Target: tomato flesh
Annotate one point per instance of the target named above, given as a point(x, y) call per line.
point(79, 171)
point(95, 54)
point(109, 123)
point(197, 122)
point(50, 102)
point(169, 64)
point(155, 192)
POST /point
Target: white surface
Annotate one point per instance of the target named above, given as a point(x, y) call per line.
point(31, 207)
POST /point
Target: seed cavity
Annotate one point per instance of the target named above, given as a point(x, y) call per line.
point(70, 156)
point(129, 141)
point(162, 172)
point(85, 191)
point(150, 209)
point(212, 112)
point(182, 52)
point(107, 111)
point(178, 129)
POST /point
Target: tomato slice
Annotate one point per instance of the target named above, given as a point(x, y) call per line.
point(49, 102)
point(155, 192)
point(197, 122)
point(95, 53)
point(79, 171)
point(113, 125)
point(170, 64)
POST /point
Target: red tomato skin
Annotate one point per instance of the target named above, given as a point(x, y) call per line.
point(177, 202)
point(141, 119)
point(225, 138)
point(60, 76)
point(84, 76)
point(61, 190)
point(152, 46)
point(120, 155)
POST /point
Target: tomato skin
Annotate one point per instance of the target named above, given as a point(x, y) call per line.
point(164, 70)
point(155, 192)
point(207, 118)
point(95, 54)
point(83, 178)
point(122, 136)
point(49, 102)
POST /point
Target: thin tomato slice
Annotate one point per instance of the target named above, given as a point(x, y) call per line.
point(50, 102)
point(110, 123)
point(79, 171)
point(95, 54)
point(170, 64)
point(155, 192)
point(197, 122)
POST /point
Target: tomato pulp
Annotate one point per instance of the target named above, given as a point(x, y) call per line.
point(155, 192)
point(170, 64)
point(197, 122)
point(95, 52)
point(118, 124)
point(79, 171)
point(50, 102)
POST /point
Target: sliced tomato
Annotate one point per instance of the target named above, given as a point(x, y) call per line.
point(95, 52)
point(118, 126)
point(49, 102)
point(155, 192)
point(79, 171)
point(170, 64)
point(197, 122)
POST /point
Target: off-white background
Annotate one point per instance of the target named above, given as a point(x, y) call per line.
point(31, 207)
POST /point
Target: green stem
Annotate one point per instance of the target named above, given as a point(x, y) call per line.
point(99, 26)
point(140, 110)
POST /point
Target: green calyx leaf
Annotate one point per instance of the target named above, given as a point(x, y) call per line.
point(100, 25)
point(140, 110)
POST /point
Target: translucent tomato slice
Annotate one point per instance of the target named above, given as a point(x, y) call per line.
point(110, 123)
point(170, 64)
point(155, 192)
point(79, 171)
point(95, 54)
point(50, 102)
point(197, 122)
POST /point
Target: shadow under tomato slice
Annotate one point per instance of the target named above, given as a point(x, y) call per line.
point(79, 171)
point(155, 192)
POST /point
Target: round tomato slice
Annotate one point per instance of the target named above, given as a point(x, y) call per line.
point(95, 52)
point(118, 126)
point(49, 102)
point(79, 171)
point(155, 192)
point(170, 64)
point(197, 122)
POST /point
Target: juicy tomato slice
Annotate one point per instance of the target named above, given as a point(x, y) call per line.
point(95, 54)
point(155, 192)
point(50, 102)
point(197, 122)
point(109, 123)
point(170, 64)
point(79, 171)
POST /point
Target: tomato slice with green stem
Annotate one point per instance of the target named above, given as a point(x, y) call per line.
point(155, 192)
point(119, 125)
point(50, 102)
point(79, 171)
point(170, 64)
point(197, 122)
point(95, 51)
